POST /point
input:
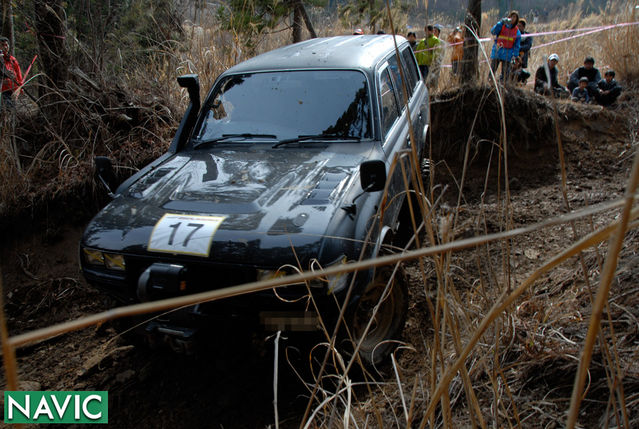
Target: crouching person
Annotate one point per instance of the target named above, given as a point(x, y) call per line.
point(580, 93)
point(609, 89)
point(542, 86)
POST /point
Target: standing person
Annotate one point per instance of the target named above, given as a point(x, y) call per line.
point(427, 51)
point(11, 74)
point(437, 30)
point(507, 41)
point(525, 44)
point(542, 86)
point(609, 89)
point(412, 40)
point(587, 70)
point(437, 57)
point(456, 39)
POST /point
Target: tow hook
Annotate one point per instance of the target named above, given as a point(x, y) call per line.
point(181, 340)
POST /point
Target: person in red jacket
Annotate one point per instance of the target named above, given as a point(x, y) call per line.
point(11, 74)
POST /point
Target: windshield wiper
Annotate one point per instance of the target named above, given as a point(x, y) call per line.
point(317, 137)
point(235, 136)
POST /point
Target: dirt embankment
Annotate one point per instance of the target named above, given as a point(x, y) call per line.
point(230, 382)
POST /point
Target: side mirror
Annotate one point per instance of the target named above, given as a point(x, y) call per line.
point(372, 175)
point(105, 174)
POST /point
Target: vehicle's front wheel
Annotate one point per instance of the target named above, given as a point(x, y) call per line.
point(390, 292)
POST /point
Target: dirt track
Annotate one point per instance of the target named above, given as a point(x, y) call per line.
point(230, 382)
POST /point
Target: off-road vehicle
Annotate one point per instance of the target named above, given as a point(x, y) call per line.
point(284, 167)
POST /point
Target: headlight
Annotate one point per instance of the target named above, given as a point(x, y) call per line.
point(114, 262)
point(111, 261)
point(332, 284)
point(93, 257)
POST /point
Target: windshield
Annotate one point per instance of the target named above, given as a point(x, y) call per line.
point(290, 104)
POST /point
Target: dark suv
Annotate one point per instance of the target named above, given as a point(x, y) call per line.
point(283, 168)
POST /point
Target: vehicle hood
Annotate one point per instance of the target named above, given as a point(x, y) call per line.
point(270, 199)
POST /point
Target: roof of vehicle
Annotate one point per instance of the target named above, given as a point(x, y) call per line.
point(362, 52)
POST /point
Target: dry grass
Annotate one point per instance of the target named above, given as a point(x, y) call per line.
point(501, 336)
point(612, 49)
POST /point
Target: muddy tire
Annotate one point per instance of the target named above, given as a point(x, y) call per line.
point(389, 320)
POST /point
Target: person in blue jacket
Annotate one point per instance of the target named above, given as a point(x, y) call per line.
point(507, 43)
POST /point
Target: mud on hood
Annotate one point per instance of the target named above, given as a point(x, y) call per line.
point(243, 182)
point(263, 192)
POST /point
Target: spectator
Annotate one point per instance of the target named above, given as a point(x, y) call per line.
point(437, 29)
point(456, 39)
point(506, 45)
point(412, 40)
point(518, 74)
point(580, 94)
point(427, 51)
point(526, 43)
point(542, 86)
point(587, 70)
point(609, 89)
point(11, 75)
point(434, 68)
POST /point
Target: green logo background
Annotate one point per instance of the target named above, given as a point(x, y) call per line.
point(94, 406)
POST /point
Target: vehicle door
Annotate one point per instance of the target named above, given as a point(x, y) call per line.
point(395, 130)
point(418, 99)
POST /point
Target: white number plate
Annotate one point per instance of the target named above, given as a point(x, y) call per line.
point(191, 235)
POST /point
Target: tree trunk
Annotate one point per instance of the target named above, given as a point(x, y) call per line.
point(7, 24)
point(470, 64)
point(297, 21)
point(51, 31)
point(307, 20)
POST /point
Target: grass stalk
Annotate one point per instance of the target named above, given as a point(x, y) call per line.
point(505, 300)
point(607, 275)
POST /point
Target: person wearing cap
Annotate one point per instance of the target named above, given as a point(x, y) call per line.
point(609, 89)
point(542, 86)
point(506, 46)
point(427, 51)
point(526, 43)
point(437, 30)
point(11, 74)
point(587, 70)
point(580, 94)
point(456, 40)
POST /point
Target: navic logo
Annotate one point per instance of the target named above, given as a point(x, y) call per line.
point(56, 407)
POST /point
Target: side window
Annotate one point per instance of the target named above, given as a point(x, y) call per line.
point(397, 77)
point(390, 110)
point(410, 68)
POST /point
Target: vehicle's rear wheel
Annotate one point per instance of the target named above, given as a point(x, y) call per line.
point(388, 322)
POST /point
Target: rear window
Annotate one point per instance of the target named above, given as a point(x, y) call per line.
point(290, 104)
